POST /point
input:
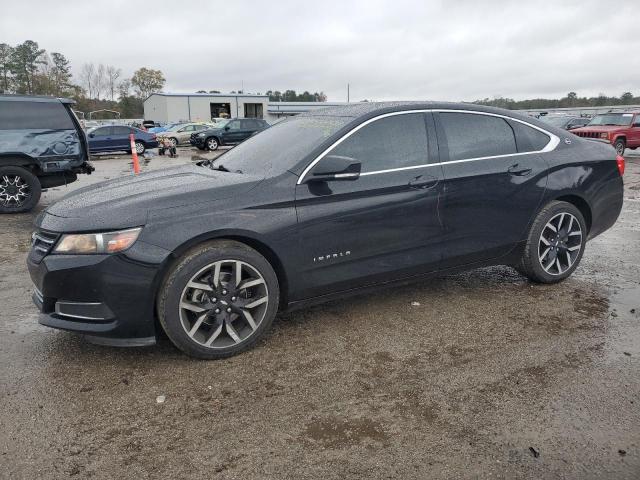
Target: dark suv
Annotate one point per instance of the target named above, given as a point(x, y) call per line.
point(234, 131)
point(42, 145)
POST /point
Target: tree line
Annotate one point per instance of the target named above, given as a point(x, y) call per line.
point(28, 69)
point(286, 96)
point(571, 100)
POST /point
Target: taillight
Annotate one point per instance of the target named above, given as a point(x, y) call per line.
point(620, 161)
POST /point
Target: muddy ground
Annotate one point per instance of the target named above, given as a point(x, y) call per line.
point(487, 375)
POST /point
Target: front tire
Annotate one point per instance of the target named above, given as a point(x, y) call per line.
point(218, 300)
point(620, 146)
point(173, 141)
point(20, 190)
point(212, 143)
point(555, 243)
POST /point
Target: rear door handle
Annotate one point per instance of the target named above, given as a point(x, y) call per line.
point(518, 171)
point(423, 182)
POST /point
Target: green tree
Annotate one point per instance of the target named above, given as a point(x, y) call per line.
point(146, 81)
point(6, 77)
point(25, 60)
point(60, 74)
point(627, 98)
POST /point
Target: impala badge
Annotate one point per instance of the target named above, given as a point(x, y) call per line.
point(331, 256)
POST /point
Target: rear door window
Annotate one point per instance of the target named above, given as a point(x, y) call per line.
point(392, 142)
point(529, 139)
point(17, 115)
point(249, 125)
point(121, 131)
point(470, 135)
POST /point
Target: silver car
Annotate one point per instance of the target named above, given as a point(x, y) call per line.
point(181, 133)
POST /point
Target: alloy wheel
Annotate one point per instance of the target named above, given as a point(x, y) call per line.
point(224, 304)
point(620, 148)
point(14, 191)
point(139, 148)
point(212, 144)
point(174, 142)
point(560, 243)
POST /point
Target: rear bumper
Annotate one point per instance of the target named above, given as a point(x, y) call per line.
point(110, 298)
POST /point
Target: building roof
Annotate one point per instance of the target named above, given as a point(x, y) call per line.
point(171, 94)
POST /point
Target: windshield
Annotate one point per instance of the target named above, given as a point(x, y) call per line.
point(219, 123)
point(281, 146)
point(555, 121)
point(612, 119)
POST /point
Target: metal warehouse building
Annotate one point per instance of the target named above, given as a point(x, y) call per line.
point(202, 107)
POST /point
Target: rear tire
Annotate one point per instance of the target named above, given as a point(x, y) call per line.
point(140, 147)
point(620, 146)
point(203, 307)
point(20, 190)
point(555, 243)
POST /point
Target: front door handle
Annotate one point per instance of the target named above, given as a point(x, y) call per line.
point(423, 182)
point(518, 171)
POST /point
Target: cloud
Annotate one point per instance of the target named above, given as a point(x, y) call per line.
point(446, 50)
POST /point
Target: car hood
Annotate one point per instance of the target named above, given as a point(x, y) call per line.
point(126, 202)
point(600, 128)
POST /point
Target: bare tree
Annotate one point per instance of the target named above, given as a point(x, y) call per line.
point(87, 78)
point(100, 81)
point(112, 74)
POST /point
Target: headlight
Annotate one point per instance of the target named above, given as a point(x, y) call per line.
point(88, 243)
point(604, 135)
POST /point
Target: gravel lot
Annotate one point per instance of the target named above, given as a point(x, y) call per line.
point(477, 375)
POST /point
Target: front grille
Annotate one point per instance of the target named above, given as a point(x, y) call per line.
point(588, 134)
point(41, 244)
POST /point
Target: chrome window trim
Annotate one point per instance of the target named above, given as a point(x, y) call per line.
point(554, 141)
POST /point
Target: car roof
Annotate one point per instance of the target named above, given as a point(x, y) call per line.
point(33, 98)
point(366, 110)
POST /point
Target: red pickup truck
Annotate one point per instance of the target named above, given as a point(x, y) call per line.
point(621, 129)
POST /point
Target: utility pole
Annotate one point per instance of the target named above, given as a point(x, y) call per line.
point(347, 93)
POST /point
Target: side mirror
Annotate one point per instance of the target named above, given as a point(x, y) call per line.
point(92, 135)
point(227, 127)
point(335, 167)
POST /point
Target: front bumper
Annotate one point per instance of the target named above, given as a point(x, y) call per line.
point(197, 141)
point(110, 298)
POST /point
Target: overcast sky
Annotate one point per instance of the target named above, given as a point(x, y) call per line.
point(441, 50)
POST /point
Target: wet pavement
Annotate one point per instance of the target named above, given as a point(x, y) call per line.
point(477, 375)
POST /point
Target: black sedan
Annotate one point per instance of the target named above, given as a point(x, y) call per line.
point(228, 132)
point(316, 207)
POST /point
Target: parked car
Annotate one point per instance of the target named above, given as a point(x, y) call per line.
point(621, 129)
point(319, 206)
point(162, 128)
point(42, 145)
point(566, 122)
point(114, 138)
point(181, 133)
point(149, 124)
point(88, 124)
point(231, 132)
